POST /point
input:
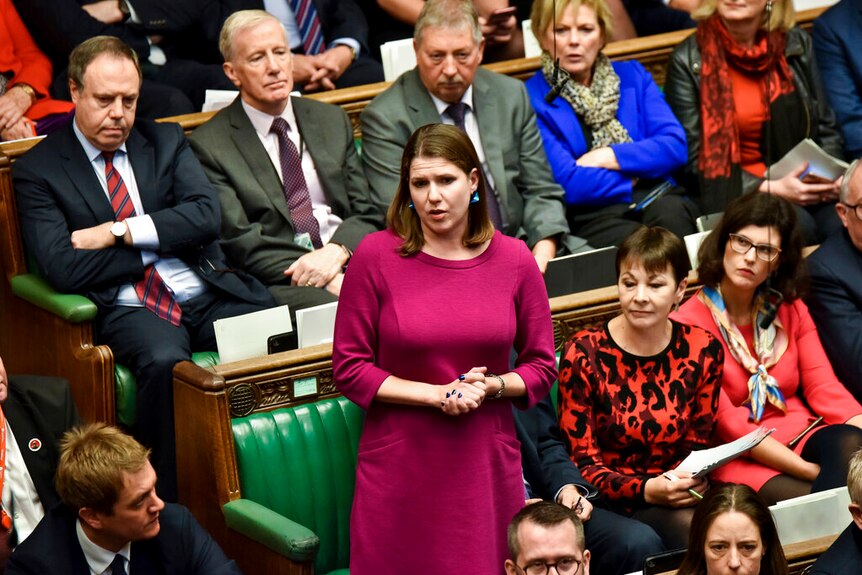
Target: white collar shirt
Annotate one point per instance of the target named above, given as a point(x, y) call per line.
point(262, 123)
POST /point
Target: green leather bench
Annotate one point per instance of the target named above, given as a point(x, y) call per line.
point(297, 470)
point(76, 309)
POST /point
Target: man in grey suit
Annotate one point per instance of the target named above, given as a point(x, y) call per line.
point(448, 86)
point(294, 199)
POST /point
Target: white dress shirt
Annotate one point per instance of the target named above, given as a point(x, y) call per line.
point(470, 125)
point(281, 10)
point(98, 558)
point(27, 509)
point(262, 122)
point(183, 282)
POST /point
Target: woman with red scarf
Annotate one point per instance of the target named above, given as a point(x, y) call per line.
point(746, 89)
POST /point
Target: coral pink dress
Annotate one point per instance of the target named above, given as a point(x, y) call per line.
point(804, 374)
point(434, 493)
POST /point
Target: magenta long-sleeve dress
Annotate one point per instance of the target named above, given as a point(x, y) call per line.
point(434, 493)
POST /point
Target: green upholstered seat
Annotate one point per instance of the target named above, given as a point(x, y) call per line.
point(126, 388)
point(298, 464)
point(76, 309)
point(555, 388)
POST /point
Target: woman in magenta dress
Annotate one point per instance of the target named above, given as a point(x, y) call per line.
point(429, 312)
point(776, 375)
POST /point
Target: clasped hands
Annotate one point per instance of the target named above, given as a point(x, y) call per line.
point(464, 394)
point(14, 125)
point(320, 71)
point(674, 489)
point(497, 32)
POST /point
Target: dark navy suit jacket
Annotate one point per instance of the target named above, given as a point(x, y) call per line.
point(182, 547)
point(836, 43)
point(58, 192)
point(546, 464)
point(836, 306)
point(844, 556)
point(40, 410)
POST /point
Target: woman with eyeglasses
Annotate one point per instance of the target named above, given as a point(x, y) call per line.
point(776, 373)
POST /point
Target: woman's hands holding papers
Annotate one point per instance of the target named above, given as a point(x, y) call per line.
point(675, 489)
point(802, 188)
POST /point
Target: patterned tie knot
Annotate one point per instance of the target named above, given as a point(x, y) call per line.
point(280, 127)
point(108, 157)
point(457, 112)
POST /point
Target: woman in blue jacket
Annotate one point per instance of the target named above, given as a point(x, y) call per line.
point(609, 135)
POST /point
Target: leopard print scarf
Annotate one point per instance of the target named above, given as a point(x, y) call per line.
point(597, 103)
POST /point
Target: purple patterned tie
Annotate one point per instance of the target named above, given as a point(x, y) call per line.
point(308, 23)
point(458, 112)
point(295, 186)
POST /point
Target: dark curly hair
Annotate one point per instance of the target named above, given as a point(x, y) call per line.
point(765, 210)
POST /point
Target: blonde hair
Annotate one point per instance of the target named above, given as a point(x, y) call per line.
point(238, 21)
point(854, 478)
point(543, 14)
point(783, 14)
point(94, 459)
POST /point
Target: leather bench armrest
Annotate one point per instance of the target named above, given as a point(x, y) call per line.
point(71, 307)
point(269, 528)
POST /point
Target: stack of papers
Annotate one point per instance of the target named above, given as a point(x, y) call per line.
point(701, 462)
point(820, 163)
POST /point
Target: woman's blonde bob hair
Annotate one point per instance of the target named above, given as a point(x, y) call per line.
point(542, 15)
point(451, 144)
point(783, 16)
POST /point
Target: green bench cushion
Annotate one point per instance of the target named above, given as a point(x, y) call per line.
point(126, 388)
point(300, 463)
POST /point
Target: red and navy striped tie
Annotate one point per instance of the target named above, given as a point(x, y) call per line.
point(308, 23)
point(153, 291)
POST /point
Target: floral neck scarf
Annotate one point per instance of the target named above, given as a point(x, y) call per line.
point(769, 345)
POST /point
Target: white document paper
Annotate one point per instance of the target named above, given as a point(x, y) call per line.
point(218, 99)
point(820, 163)
point(316, 325)
point(245, 336)
point(812, 516)
point(398, 57)
point(701, 462)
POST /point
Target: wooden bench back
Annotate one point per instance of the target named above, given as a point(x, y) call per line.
point(651, 51)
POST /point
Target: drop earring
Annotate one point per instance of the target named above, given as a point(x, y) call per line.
point(411, 206)
point(474, 198)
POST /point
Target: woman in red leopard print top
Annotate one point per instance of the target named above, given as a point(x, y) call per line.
point(640, 392)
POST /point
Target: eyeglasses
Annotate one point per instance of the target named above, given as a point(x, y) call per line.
point(857, 209)
point(741, 245)
point(564, 566)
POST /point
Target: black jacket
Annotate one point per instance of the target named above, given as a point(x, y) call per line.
point(802, 114)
